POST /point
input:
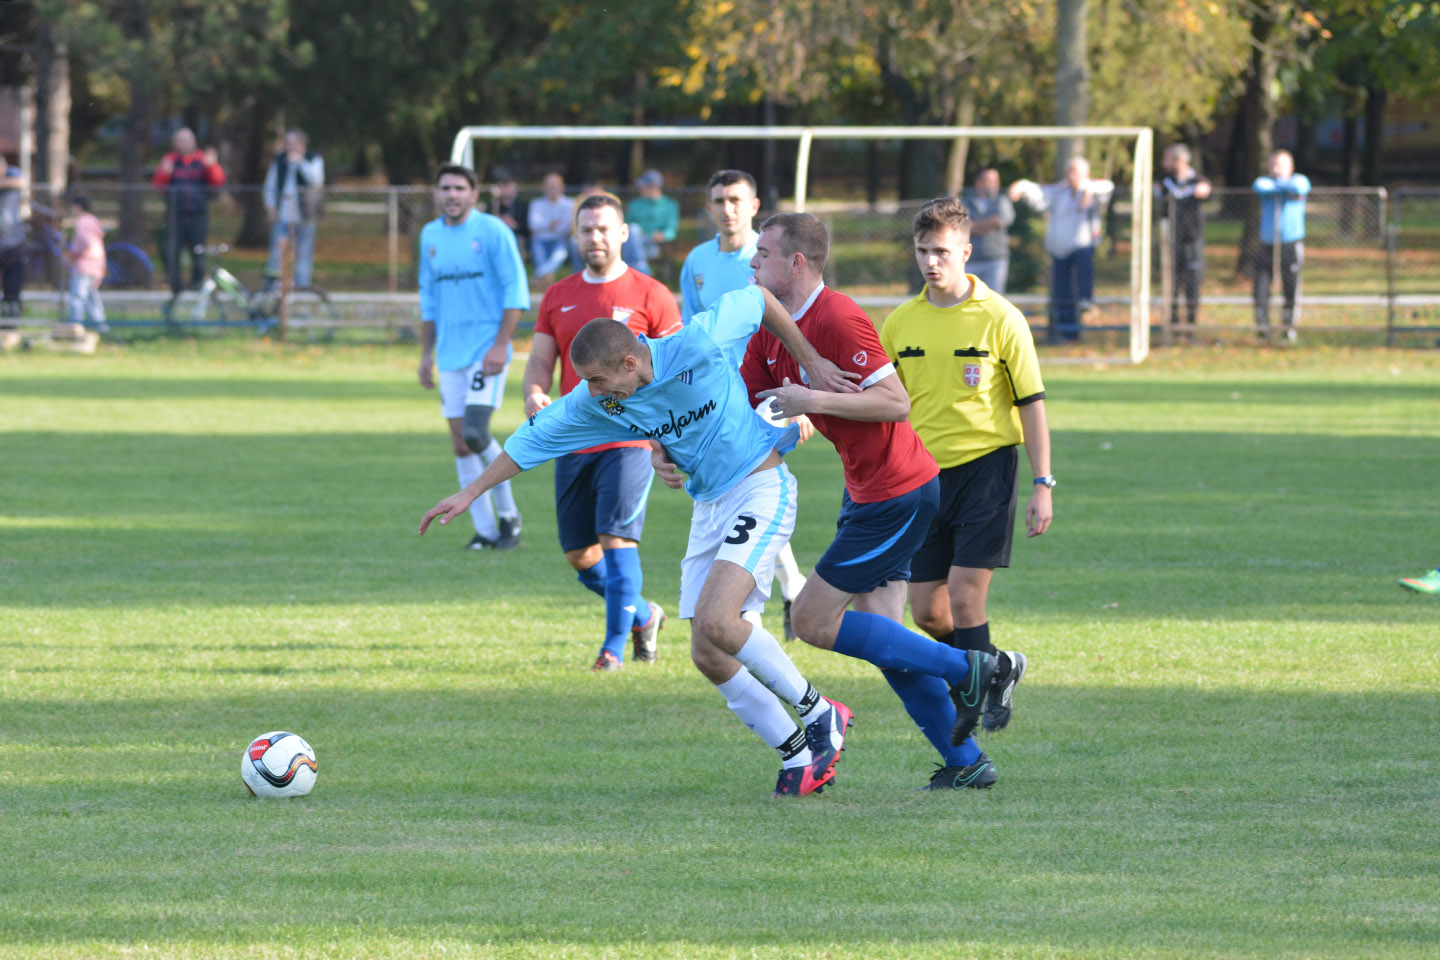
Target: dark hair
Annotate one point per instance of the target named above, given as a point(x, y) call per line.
point(458, 170)
point(942, 213)
point(601, 199)
point(802, 233)
point(724, 178)
point(602, 341)
point(81, 201)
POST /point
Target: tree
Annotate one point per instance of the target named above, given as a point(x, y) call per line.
point(1072, 76)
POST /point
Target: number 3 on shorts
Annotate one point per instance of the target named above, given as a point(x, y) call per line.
point(742, 530)
point(477, 382)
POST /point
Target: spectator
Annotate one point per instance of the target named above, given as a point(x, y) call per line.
point(1181, 194)
point(86, 255)
point(12, 238)
point(292, 191)
point(655, 215)
point(1071, 235)
point(991, 214)
point(1283, 192)
point(506, 204)
point(549, 218)
point(187, 175)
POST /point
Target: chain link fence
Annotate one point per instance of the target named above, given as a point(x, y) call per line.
point(1370, 269)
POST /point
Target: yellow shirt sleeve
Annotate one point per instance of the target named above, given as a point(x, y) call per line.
point(1017, 350)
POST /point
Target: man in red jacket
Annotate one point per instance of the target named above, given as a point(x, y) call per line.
point(188, 176)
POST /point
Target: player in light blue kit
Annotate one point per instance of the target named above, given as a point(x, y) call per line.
point(684, 392)
point(472, 291)
point(717, 267)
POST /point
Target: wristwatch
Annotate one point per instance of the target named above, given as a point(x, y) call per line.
point(1046, 481)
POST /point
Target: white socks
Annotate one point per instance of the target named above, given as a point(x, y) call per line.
point(763, 657)
point(482, 511)
point(758, 709)
point(504, 500)
point(787, 571)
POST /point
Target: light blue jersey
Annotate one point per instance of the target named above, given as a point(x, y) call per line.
point(1289, 196)
point(469, 275)
point(696, 405)
point(710, 273)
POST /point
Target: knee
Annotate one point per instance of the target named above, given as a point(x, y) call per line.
point(931, 622)
point(709, 659)
point(475, 431)
point(812, 624)
point(585, 558)
point(707, 629)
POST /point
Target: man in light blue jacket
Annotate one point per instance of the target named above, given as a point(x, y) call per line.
point(1282, 196)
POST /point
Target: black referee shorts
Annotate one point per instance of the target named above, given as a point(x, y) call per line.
point(975, 524)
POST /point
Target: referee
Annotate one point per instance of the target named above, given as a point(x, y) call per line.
point(967, 359)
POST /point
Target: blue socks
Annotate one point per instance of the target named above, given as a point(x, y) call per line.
point(624, 606)
point(888, 645)
point(593, 578)
point(927, 700)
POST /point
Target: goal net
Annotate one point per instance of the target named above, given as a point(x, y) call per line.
point(870, 237)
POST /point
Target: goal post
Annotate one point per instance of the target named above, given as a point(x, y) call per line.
point(463, 151)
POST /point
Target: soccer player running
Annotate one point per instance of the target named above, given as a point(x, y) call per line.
point(891, 495)
point(685, 390)
point(601, 492)
point(967, 360)
point(717, 267)
point(472, 291)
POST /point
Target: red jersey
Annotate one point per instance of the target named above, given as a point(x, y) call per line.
point(642, 303)
point(881, 460)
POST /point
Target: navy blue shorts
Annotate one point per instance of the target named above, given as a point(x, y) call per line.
point(976, 521)
point(875, 541)
point(603, 492)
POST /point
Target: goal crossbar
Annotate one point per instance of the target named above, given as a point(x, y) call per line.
point(463, 151)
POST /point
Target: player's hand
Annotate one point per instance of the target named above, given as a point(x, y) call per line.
point(495, 359)
point(789, 399)
point(536, 402)
point(824, 375)
point(1040, 512)
point(1202, 190)
point(211, 156)
point(427, 373)
point(807, 429)
point(665, 468)
point(447, 510)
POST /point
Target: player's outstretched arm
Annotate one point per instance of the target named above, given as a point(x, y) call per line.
point(1041, 509)
point(502, 468)
point(823, 374)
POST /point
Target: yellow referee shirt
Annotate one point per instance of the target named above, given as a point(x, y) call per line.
point(967, 368)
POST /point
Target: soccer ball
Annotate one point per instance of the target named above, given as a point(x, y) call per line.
point(278, 764)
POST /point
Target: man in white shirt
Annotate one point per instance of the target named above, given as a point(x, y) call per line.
point(550, 228)
point(1075, 205)
point(292, 201)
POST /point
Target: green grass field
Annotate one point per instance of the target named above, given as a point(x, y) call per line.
point(1226, 746)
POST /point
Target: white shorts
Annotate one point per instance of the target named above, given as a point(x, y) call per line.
point(748, 526)
point(470, 388)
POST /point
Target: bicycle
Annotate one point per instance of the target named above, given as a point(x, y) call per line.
point(127, 267)
point(223, 295)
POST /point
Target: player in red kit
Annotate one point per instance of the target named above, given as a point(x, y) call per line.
point(891, 495)
point(601, 492)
